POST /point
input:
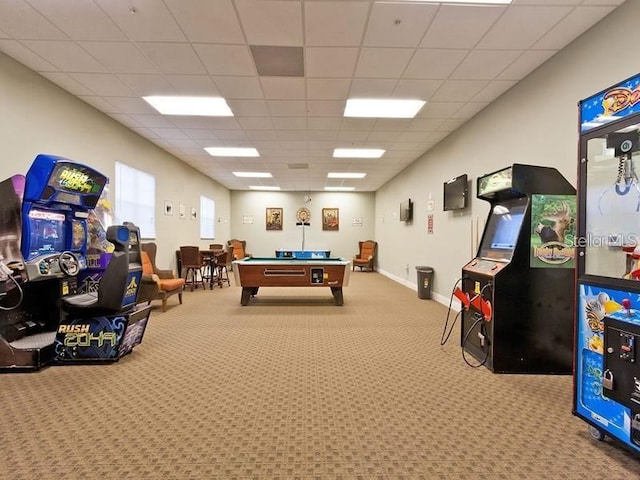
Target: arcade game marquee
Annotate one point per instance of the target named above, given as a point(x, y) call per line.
point(517, 293)
point(43, 243)
point(607, 327)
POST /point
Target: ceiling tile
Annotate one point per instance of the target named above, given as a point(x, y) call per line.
point(469, 109)
point(21, 21)
point(461, 90)
point(69, 84)
point(325, 108)
point(460, 27)
point(398, 24)
point(226, 59)
point(207, 22)
point(290, 123)
point(283, 88)
point(255, 123)
point(241, 88)
point(193, 84)
point(335, 23)
point(430, 63)
point(79, 19)
point(572, 26)
point(365, 87)
point(248, 108)
point(287, 108)
point(26, 56)
point(102, 84)
point(493, 90)
point(130, 105)
point(152, 121)
point(328, 88)
point(525, 64)
point(118, 57)
point(521, 27)
point(173, 58)
point(200, 133)
point(423, 89)
point(330, 61)
point(99, 103)
point(271, 22)
point(150, 21)
point(147, 84)
point(441, 110)
point(484, 64)
point(66, 56)
point(383, 62)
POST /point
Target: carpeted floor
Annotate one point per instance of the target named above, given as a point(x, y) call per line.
point(294, 387)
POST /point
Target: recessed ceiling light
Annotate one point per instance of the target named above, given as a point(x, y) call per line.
point(358, 153)
point(382, 108)
point(339, 189)
point(262, 187)
point(346, 175)
point(253, 174)
point(199, 106)
point(232, 152)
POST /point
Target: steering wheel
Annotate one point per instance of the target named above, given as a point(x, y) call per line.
point(68, 263)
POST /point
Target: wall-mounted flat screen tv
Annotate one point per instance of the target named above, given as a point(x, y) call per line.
point(456, 193)
point(406, 211)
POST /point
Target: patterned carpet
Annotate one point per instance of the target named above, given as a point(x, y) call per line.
point(294, 387)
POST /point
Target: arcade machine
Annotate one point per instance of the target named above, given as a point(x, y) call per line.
point(607, 328)
point(51, 231)
point(516, 293)
point(104, 324)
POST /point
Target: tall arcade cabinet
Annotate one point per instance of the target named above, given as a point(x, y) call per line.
point(607, 336)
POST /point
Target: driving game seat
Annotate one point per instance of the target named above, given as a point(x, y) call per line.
point(109, 298)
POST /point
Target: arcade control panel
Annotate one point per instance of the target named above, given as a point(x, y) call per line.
point(484, 266)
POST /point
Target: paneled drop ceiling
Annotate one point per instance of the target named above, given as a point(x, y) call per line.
point(110, 53)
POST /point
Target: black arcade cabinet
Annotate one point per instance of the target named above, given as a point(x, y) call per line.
point(517, 292)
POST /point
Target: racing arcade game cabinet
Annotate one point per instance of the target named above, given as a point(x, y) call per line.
point(517, 292)
point(52, 233)
point(105, 324)
point(607, 336)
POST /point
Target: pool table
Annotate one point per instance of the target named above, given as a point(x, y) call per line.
point(255, 272)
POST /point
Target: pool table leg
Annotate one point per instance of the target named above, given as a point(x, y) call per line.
point(337, 295)
point(247, 293)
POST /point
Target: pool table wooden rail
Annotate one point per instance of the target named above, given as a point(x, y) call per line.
point(251, 274)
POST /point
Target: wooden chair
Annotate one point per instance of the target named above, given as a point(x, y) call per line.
point(216, 246)
point(157, 284)
point(192, 265)
point(223, 264)
point(238, 249)
point(366, 258)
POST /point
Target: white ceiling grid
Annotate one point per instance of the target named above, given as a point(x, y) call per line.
point(459, 59)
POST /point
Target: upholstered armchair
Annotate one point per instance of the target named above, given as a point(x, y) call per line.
point(365, 259)
point(157, 284)
point(239, 248)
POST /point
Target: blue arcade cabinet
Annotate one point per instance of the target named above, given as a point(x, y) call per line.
point(607, 326)
point(43, 239)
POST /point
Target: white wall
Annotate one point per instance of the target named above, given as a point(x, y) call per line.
point(342, 243)
point(535, 122)
point(39, 117)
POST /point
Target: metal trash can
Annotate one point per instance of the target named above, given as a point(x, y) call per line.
point(425, 280)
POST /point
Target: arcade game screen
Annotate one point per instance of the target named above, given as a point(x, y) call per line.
point(47, 233)
point(501, 233)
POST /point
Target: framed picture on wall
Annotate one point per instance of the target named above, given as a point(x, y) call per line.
point(330, 219)
point(274, 218)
